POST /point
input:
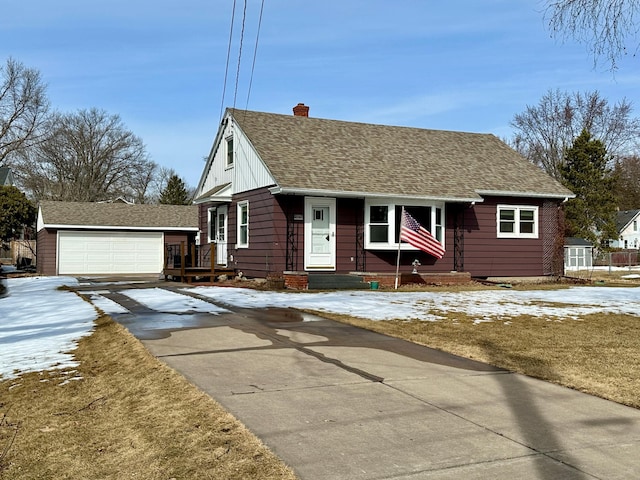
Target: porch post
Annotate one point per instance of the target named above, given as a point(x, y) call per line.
point(212, 254)
point(182, 277)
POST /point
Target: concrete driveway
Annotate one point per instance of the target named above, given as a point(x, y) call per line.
point(337, 402)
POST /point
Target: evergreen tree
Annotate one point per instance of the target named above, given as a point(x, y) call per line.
point(591, 214)
point(627, 173)
point(16, 212)
point(175, 193)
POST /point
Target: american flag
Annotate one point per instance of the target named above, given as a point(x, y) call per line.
point(415, 234)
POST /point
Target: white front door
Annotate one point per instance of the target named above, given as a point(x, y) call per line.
point(319, 233)
point(221, 235)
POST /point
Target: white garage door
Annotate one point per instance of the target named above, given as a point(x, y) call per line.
point(109, 252)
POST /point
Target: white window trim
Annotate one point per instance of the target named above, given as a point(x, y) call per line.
point(227, 164)
point(239, 206)
point(211, 235)
point(516, 233)
point(391, 205)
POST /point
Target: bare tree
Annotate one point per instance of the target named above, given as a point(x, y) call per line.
point(88, 156)
point(608, 27)
point(627, 177)
point(140, 188)
point(23, 108)
point(544, 132)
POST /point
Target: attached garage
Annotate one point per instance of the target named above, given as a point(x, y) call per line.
point(77, 238)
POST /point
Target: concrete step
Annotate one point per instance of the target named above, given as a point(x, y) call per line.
point(331, 281)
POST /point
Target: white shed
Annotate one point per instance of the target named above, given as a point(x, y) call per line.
point(578, 254)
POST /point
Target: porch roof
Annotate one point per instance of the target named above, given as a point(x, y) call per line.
point(313, 154)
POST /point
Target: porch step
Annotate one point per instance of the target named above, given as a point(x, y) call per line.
point(330, 281)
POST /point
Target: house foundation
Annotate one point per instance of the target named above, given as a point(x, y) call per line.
point(300, 280)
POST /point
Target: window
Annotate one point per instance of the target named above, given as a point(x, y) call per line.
point(438, 224)
point(382, 223)
point(243, 225)
point(578, 257)
point(635, 225)
point(211, 225)
point(517, 221)
point(230, 152)
point(379, 223)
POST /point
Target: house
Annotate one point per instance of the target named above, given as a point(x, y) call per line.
point(6, 180)
point(6, 177)
point(83, 238)
point(628, 223)
point(578, 254)
point(302, 195)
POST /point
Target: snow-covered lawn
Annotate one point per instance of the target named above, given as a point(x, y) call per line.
point(40, 325)
point(482, 305)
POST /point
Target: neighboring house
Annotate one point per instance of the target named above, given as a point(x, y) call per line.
point(578, 254)
point(6, 177)
point(78, 238)
point(290, 193)
point(6, 180)
point(628, 223)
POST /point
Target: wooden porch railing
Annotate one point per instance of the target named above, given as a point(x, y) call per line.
point(191, 261)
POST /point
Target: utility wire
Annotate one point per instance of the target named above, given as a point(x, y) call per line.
point(244, 17)
point(255, 52)
point(226, 70)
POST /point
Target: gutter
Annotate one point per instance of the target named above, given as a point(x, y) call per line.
point(502, 193)
point(118, 227)
point(277, 190)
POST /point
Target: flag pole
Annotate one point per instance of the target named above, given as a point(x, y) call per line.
point(399, 242)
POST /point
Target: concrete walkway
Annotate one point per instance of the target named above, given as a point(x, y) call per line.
point(337, 402)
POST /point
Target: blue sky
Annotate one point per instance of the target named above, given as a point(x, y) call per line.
point(467, 65)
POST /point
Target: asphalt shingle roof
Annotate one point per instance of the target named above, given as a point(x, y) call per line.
point(88, 214)
point(307, 153)
point(5, 172)
point(577, 242)
point(624, 217)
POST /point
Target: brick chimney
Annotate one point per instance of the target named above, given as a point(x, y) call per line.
point(301, 110)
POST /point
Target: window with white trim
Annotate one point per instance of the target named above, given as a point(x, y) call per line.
point(382, 222)
point(229, 152)
point(243, 225)
point(517, 221)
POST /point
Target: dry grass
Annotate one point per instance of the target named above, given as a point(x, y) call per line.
point(609, 278)
point(130, 416)
point(596, 354)
point(123, 415)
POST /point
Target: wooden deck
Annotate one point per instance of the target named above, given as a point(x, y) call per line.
point(179, 264)
point(199, 274)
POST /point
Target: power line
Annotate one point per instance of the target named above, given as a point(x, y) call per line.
point(244, 17)
point(255, 52)
point(226, 70)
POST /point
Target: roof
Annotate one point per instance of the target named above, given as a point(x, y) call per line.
point(577, 242)
point(313, 154)
point(212, 192)
point(6, 177)
point(624, 217)
point(130, 216)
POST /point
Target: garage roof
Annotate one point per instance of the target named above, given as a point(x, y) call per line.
point(117, 215)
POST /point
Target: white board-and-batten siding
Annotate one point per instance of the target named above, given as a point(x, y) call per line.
point(248, 171)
